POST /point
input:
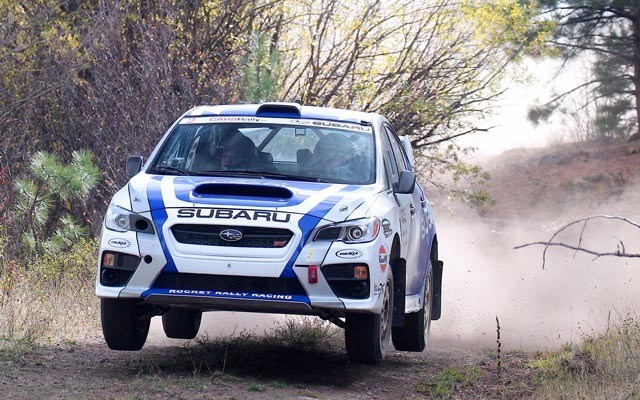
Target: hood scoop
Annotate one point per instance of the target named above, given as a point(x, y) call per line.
point(270, 193)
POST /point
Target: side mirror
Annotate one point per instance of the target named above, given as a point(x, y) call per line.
point(406, 183)
point(134, 165)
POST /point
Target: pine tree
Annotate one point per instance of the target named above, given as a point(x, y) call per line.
point(609, 31)
point(48, 197)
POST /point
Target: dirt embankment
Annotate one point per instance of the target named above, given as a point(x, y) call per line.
point(565, 180)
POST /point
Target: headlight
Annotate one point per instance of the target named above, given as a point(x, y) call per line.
point(357, 231)
point(121, 220)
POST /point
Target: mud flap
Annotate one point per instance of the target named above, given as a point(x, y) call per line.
point(399, 271)
point(436, 307)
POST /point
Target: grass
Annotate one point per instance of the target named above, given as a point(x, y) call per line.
point(48, 299)
point(447, 382)
point(291, 340)
point(279, 384)
point(256, 387)
point(604, 366)
point(12, 350)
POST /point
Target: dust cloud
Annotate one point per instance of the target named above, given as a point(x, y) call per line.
point(485, 277)
point(573, 296)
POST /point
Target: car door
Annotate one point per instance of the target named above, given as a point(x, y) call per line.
point(406, 208)
point(413, 221)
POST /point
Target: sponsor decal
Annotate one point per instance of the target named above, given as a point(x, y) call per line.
point(225, 213)
point(386, 228)
point(263, 120)
point(204, 120)
point(231, 235)
point(378, 289)
point(349, 253)
point(119, 243)
point(383, 258)
point(232, 294)
point(310, 254)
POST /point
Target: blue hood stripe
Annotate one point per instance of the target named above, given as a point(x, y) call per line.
point(159, 216)
point(308, 223)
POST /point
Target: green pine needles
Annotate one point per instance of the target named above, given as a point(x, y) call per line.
point(262, 70)
point(50, 200)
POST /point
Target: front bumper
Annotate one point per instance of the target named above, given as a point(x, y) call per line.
point(311, 298)
point(213, 303)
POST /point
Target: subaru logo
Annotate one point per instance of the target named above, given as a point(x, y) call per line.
point(231, 235)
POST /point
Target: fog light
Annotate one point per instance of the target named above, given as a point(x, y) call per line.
point(109, 276)
point(108, 259)
point(142, 225)
point(313, 273)
point(360, 272)
point(358, 289)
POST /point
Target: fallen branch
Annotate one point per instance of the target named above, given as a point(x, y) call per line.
point(619, 252)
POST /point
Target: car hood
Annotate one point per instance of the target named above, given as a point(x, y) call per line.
point(333, 202)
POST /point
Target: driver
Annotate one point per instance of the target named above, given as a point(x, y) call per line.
point(238, 152)
point(332, 157)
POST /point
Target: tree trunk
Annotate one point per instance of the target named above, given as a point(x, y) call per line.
point(636, 61)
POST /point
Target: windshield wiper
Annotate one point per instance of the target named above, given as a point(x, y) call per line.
point(171, 170)
point(262, 174)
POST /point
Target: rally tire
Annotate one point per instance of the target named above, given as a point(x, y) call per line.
point(125, 325)
point(367, 336)
point(414, 335)
point(181, 323)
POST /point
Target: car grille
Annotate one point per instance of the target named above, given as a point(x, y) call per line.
point(209, 235)
point(228, 283)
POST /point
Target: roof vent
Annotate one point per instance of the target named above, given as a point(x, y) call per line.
point(279, 110)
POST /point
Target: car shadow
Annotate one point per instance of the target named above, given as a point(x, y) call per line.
point(327, 365)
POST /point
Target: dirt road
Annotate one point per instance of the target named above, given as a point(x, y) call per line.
point(225, 371)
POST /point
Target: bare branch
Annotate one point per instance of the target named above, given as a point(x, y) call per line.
point(619, 252)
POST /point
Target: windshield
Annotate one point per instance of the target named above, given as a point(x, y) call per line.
point(322, 151)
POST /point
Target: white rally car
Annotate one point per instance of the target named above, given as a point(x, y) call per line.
point(276, 208)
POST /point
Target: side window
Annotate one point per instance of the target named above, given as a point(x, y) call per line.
point(177, 150)
point(390, 166)
point(398, 155)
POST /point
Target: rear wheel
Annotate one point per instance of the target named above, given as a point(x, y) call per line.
point(181, 323)
point(125, 323)
point(414, 335)
point(367, 335)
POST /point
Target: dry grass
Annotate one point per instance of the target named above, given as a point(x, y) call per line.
point(292, 341)
point(601, 367)
point(49, 299)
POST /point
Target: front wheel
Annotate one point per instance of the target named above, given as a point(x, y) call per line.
point(181, 323)
point(414, 335)
point(125, 325)
point(367, 335)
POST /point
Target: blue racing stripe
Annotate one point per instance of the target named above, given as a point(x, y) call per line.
point(308, 223)
point(159, 216)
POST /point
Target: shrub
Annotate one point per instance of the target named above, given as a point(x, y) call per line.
point(50, 297)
